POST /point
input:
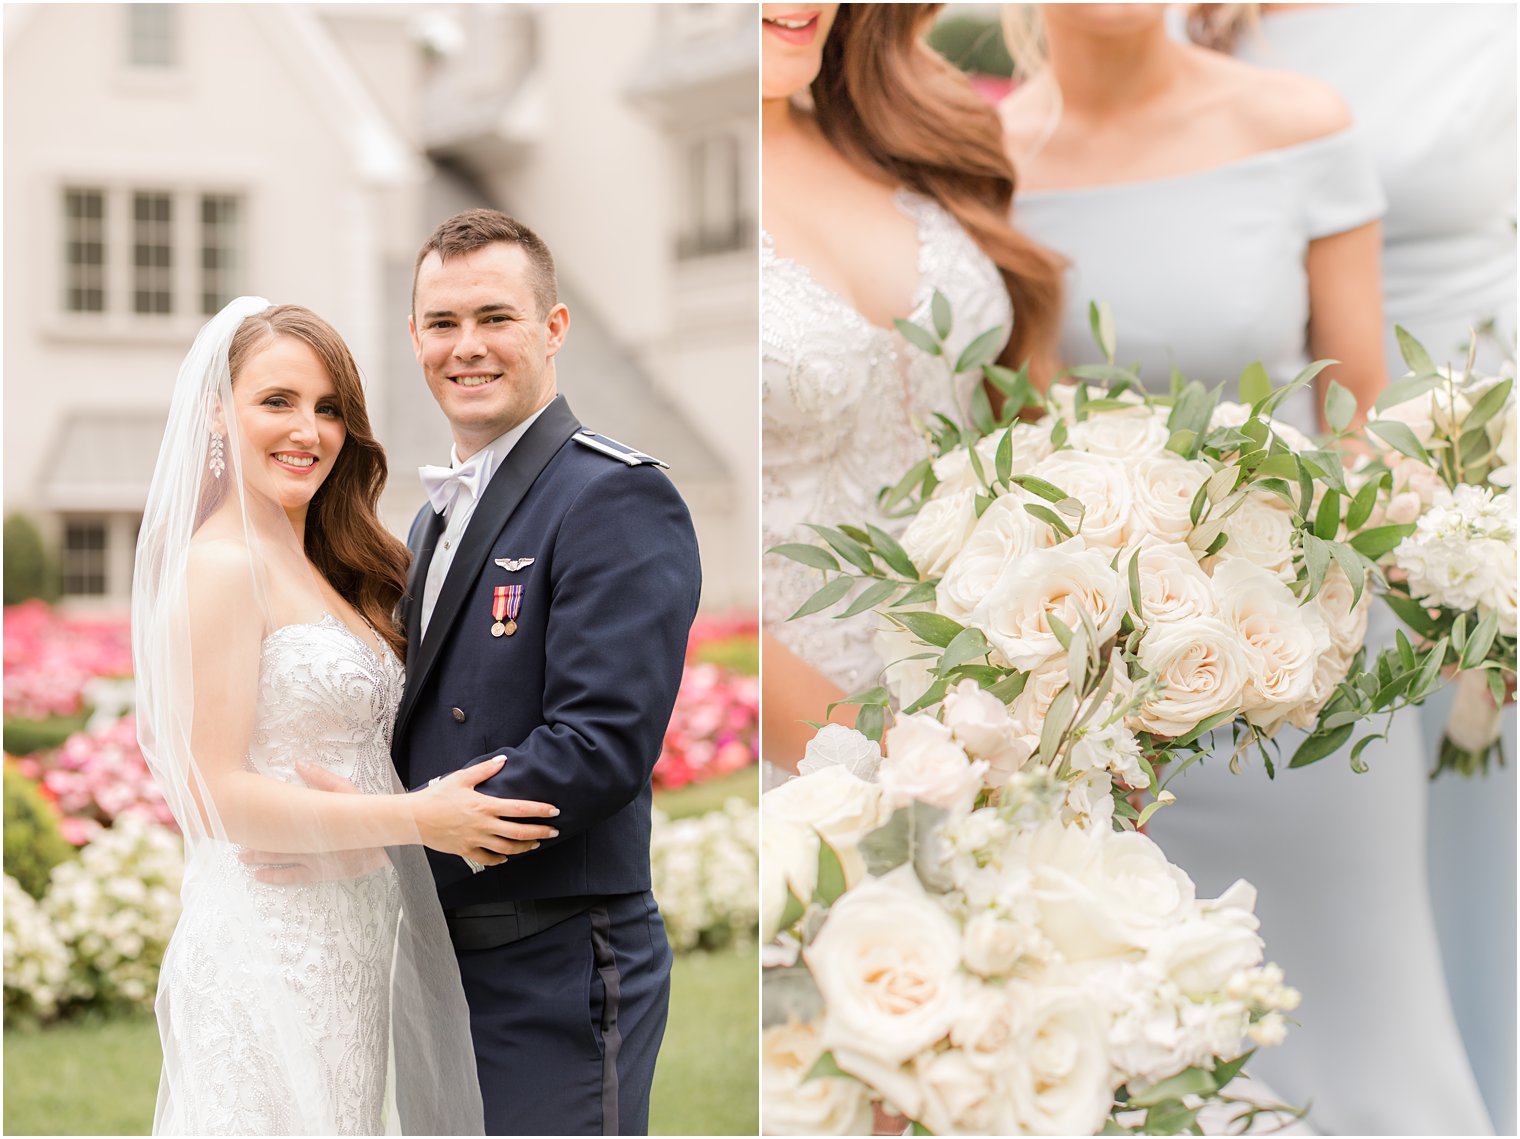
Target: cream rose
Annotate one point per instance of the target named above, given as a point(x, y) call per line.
point(960, 1098)
point(1101, 485)
point(841, 807)
point(1230, 414)
point(905, 671)
point(1004, 533)
point(1202, 954)
point(1062, 581)
point(788, 867)
point(1060, 1082)
point(980, 723)
point(1173, 587)
point(938, 532)
point(925, 763)
point(794, 1105)
point(887, 962)
point(1344, 615)
point(993, 944)
point(1127, 434)
point(1261, 531)
point(1202, 668)
point(1288, 638)
point(1164, 486)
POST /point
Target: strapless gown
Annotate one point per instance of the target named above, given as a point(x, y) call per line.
point(274, 1001)
point(1206, 272)
point(841, 404)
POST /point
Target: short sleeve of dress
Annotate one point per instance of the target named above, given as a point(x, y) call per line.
point(1338, 182)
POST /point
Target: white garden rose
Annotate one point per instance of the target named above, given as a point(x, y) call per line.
point(795, 1105)
point(1344, 615)
point(1100, 484)
point(1501, 430)
point(1202, 668)
point(838, 746)
point(1203, 953)
point(1173, 587)
point(1062, 581)
point(887, 963)
point(1288, 639)
point(938, 531)
point(1164, 487)
point(953, 469)
point(1230, 414)
point(905, 671)
point(788, 867)
point(993, 944)
point(1429, 413)
point(960, 1098)
point(1060, 1082)
point(841, 807)
point(1129, 434)
point(1102, 894)
point(1500, 597)
point(1004, 533)
point(1261, 532)
point(925, 763)
point(980, 723)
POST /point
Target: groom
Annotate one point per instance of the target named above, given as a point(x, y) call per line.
point(554, 581)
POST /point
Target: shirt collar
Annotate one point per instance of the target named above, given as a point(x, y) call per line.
point(491, 455)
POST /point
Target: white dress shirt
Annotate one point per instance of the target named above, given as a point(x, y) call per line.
point(458, 515)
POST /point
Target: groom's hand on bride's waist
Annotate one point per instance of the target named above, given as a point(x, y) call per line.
point(277, 869)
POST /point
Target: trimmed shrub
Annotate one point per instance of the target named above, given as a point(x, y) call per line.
point(33, 842)
point(29, 568)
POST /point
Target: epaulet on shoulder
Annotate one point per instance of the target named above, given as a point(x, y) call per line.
point(615, 450)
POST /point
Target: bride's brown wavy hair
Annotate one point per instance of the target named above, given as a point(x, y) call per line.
point(893, 106)
point(345, 540)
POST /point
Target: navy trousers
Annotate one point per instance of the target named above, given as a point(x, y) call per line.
point(568, 1022)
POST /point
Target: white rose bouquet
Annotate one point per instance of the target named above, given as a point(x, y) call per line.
point(1128, 573)
point(1443, 460)
point(990, 965)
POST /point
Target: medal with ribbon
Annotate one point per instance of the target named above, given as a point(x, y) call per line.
point(506, 603)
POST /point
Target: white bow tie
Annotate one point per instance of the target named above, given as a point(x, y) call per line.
point(443, 484)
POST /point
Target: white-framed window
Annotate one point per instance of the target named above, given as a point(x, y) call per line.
point(85, 567)
point(715, 218)
point(84, 250)
point(150, 252)
point(152, 36)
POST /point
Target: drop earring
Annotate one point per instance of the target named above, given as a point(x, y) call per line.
point(218, 462)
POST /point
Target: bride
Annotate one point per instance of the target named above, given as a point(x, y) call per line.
point(884, 181)
point(266, 657)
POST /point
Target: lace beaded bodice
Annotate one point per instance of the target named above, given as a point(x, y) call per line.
point(274, 1001)
point(842, 403)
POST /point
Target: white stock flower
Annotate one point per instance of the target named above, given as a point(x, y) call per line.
point(1111, 747)
point(1288, 639)
point(1202, 668)
point(980, 722)
point(1003, 534)
point(793, 1105)
point(1164, 487)
point(1062, 581)
point(1089, 801)
point(887, 963)
point(924, 762)
point(1173, 587)
point(1100, 484)
point(1129, 434)
point(1500, 598)
point(938, 531)
point(841, 807)
point(1156, 1031)
point(1261, 532)
point(838, 746)
point(1462, 548)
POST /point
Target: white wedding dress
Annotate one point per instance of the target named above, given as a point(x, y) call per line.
point(842, 401)
point(274, 1001)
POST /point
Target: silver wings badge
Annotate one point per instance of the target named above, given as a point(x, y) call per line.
point(512, 565)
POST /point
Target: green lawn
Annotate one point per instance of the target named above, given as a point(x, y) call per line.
point(699, 798)
point(101, 1078)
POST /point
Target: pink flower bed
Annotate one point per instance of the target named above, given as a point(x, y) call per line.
point(720, 627)
point(96, 778)
point(50, 658)
point(715, 727)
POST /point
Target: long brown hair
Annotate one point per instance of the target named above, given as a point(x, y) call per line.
point(892, 106)
point(362, 560)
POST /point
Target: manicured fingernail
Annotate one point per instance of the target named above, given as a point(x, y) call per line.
point(553, 833)
point(533, 847)
point(553, 811)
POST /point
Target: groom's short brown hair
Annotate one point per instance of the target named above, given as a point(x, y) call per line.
point(474, 229)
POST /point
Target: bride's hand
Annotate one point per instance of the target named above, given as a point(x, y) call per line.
point(453, 817)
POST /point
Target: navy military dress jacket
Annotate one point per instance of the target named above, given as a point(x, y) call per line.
point(598, 558)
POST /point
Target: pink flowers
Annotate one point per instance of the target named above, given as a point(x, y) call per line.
point(50, 658)
point(97, 777)
point(714, 729)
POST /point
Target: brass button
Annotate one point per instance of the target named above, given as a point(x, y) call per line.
point(458, 714)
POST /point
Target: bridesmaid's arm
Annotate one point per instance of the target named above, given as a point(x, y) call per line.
point(792, 692)
point(1346, 313)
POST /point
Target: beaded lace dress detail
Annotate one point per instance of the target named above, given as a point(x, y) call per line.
point(327, 697)
point(842, 404)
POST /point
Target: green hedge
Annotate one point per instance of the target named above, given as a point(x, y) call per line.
point(30, 570)
point(33, 844)
point(23, 737)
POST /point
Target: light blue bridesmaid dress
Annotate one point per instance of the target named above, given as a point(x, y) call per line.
point(1441, 127)
point(1206, 272)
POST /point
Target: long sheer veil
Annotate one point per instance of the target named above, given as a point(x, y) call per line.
point(219, 568)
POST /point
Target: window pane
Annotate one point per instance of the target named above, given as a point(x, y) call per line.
point(84, 250)
point(151, 34)
point(84, 557)
point(152, 252)
point(220, 244)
